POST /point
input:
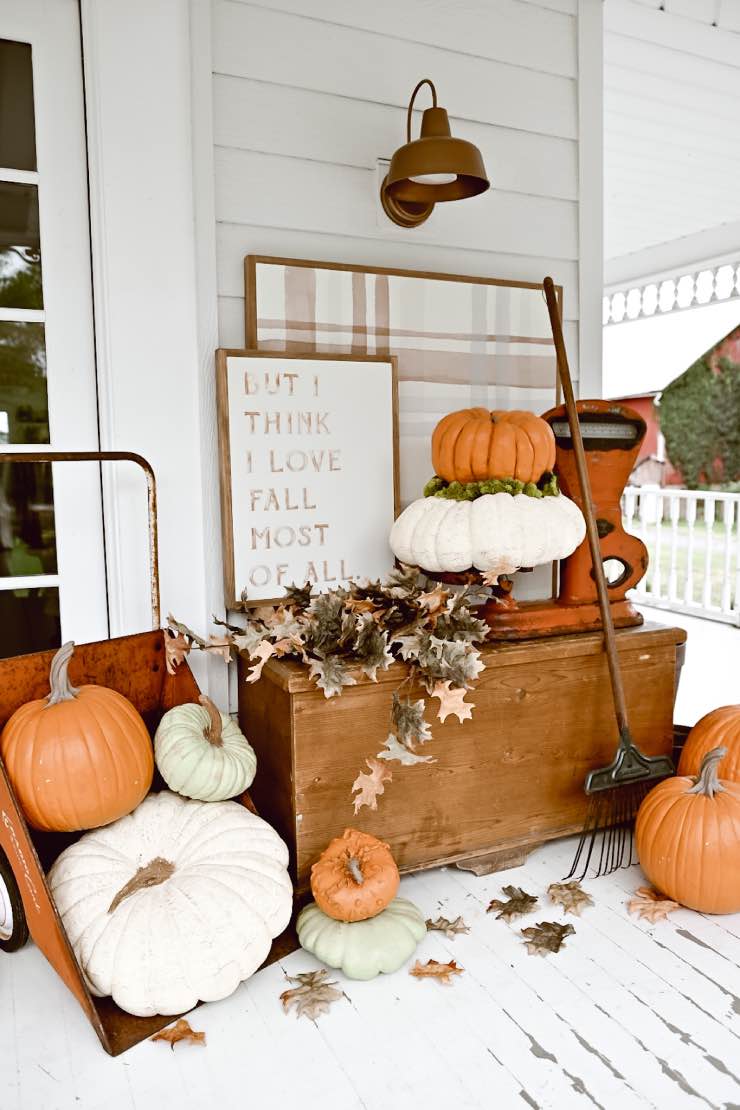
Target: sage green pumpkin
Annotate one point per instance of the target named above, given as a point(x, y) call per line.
point(202, 754)
point(363, 949)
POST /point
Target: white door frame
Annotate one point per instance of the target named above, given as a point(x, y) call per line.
point(53, 31)
point(148, 80)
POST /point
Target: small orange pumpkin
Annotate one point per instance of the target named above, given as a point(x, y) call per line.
point(720, 727)
point(474, 444)
point(355, 877)
point(79, 758)
point(687, 836)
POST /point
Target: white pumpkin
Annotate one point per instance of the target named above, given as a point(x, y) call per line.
point(201, 753)
point(174, 904)
point(363, 949)
point(497, 532)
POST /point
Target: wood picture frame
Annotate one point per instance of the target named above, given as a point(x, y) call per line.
point(460, 340)
point(234, 597)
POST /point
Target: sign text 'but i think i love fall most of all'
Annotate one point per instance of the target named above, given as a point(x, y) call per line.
point(308, 464)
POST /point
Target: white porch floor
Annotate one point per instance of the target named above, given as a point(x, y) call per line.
point(627, 1014)
point(711, 673)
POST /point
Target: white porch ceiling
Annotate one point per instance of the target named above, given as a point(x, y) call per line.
point(671, 133)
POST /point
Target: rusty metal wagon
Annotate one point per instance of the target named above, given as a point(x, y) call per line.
point(136, 667)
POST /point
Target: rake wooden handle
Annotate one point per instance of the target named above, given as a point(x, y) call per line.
point(610, 639)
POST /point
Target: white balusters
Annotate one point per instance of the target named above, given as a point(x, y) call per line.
point(700, 570)
point(709, 505)
point(728, 519)
point(688, 595)
point(674, 509)
point(657, 582)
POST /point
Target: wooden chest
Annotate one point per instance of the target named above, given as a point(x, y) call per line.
point(503, 781)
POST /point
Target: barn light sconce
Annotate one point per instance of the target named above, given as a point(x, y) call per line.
point(432, 168)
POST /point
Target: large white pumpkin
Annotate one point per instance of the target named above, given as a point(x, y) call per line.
point(497, 532)
point(174, 904)
point(202, 754)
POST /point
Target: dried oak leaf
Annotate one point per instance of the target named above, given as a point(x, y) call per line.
point(249, 640)
point(517, 905)
point(261, 653)
point(435, 601)
point(408, 719)
point(449, 928)
point(432, 969)
point(651, 904)
point(313, 996)
point(331, 675)
point(371, 648)
point(298, 597)
point(546, 936)
point(570, 896)
point(176, 648)
point(394, 750)
point(452, 702)
point(180, 1031)
point(369, 786)
point(219, 645)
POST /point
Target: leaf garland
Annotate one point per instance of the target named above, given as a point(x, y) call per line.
point(364, 628)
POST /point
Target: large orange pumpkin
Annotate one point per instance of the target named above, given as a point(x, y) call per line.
point(79, 758)
point(721, 727)
point(687, 836)
point(355, 877)
point(474, 444)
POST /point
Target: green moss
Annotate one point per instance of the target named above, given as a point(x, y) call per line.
point(469, 491)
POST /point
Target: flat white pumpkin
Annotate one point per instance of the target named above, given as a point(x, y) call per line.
point(363, 949)
point(201, 753)
point(219, 893)
point(497, 532)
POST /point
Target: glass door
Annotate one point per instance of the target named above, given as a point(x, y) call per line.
point(52, 567)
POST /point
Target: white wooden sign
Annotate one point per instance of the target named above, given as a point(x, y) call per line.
point(308, 469)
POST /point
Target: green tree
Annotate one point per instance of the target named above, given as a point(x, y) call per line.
point(700, 419)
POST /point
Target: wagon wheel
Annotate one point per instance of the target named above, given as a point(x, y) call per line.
point(13, 927)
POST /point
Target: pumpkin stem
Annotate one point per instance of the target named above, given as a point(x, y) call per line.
point(156, 871)
point(213, 731)
point(353, 866)
point(707, 781)
point(61, 688)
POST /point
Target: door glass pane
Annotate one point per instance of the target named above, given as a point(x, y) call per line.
point(29, 620)
point(27, 536)
point(17, 126)
point(20, 247)
point(24, 410)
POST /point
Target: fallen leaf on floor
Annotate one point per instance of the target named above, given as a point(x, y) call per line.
point(546, 936)
point(452, 702)
point(449, 928)
point(570, 896)
point(518, 903)
point(176, 648)
point(180, 1031)
point(313, 997)
point(433, 969)
point(369, 786)
point(651, 904)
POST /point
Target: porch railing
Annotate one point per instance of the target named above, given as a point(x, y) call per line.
point(693, 538)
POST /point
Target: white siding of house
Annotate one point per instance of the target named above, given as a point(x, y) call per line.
point(307, 98)
point(671, 135)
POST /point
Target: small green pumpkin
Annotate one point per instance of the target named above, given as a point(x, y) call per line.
point(201, 753)
point(363, 949)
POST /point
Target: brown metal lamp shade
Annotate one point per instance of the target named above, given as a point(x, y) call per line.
point(432, 168)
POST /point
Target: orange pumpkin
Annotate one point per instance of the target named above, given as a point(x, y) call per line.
point(355, 877)
point(474, 444)
point(79, 758)
point(687, 836)
point(720, 727)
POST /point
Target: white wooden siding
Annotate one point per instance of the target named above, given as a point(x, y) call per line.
point(308, 97)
